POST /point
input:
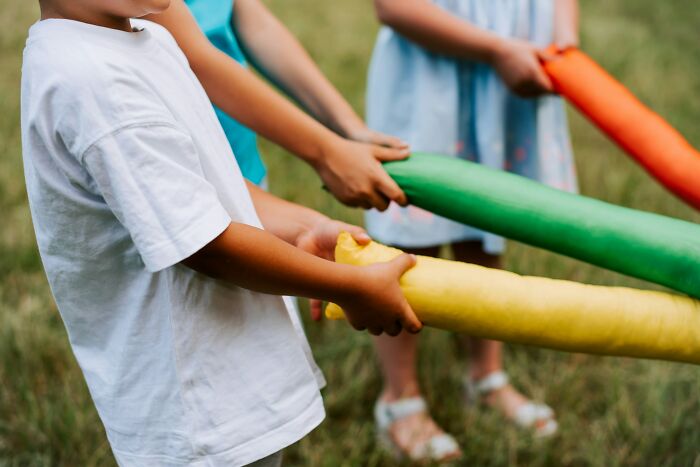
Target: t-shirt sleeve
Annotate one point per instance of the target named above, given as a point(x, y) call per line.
point(151, 178)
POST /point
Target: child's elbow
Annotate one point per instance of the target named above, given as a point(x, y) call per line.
point(387, 11)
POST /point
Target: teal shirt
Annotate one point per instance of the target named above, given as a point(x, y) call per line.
point(215, 18)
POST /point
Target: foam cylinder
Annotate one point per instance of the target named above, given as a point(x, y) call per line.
point(639, 131)
point(648, 246)
point(555, 314)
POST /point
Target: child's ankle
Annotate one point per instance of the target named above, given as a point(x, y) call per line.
point(390, 394)
point(477, 372)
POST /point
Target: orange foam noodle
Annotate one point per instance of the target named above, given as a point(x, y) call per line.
point(639, 131)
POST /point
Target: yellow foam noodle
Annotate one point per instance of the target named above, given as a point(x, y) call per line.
point(537, 311)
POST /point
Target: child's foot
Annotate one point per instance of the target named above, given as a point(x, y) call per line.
point(406, 428)
point(495, 391)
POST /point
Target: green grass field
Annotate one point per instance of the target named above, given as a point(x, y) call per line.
point(612, 411)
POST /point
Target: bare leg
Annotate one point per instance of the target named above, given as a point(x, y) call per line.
point(486, 356)
point(397, 359)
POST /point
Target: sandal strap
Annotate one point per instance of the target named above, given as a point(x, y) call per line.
point(436, 448)
point(530, 413)
point(528, 416)
point(386, 413)
point(489, 383)
point(550, 428)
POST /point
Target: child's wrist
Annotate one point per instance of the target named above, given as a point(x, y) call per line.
point(352, 284)
point(349, 125)
point(328, 145)
point(313, 143)
point(494, 49)
point(566, 39)
point(307, 223)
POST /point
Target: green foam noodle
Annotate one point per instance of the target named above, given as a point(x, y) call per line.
point(640, 244)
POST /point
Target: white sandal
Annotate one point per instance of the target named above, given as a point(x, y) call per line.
point(438, 448)
point(529, 415)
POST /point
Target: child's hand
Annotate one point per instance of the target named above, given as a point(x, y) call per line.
point(320, 240)
point(379, 304)
point(517, 62)
point(353, 172)
point(363, 134)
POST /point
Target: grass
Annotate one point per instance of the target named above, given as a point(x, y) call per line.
point(612, 411)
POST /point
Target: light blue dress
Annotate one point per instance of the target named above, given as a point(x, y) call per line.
point(463, 109)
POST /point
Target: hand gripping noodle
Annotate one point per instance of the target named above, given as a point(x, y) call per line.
point(640, 244)
point(643, 134)
point(556, 314)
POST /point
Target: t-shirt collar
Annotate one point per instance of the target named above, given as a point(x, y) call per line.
point(137, 39)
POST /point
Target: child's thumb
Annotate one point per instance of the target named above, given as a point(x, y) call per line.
point(383, 154)
point(410, 321)
point(403, 263)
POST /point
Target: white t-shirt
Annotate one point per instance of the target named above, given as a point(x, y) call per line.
point(128, 173)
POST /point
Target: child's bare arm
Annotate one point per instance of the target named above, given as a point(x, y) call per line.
point(257, 260)
point(442, 32)
point(352, 171)
point(566, 23)
point(304, 228)
point(300, 226)
point(437, 30)
point(275, 51)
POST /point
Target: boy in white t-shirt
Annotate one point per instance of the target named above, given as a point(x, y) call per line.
point(156, 255)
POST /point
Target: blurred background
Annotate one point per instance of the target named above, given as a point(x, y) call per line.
point(612, 411)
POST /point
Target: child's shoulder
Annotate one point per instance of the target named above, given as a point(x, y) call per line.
point(66, 60)
point(83, 86)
